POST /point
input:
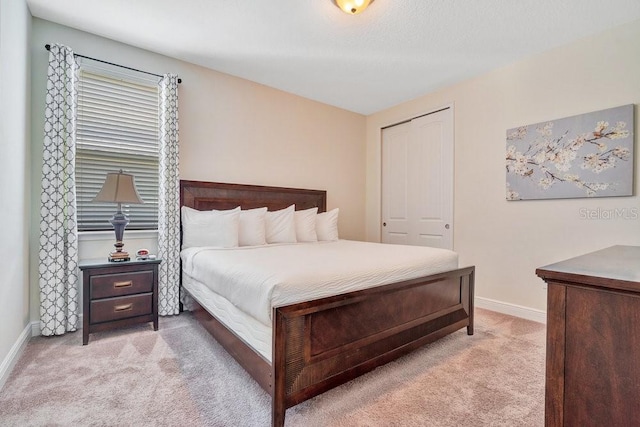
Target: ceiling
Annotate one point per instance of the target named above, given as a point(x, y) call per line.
point(394, 51)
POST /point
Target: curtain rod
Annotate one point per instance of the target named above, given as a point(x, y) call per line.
point(48, 47)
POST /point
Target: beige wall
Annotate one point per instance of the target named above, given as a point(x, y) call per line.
point(231, 130)
point(506, 241)
point(15, 23)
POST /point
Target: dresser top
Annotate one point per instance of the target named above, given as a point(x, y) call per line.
point(614, 264)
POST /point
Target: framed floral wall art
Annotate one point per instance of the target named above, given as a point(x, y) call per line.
point(590, 155)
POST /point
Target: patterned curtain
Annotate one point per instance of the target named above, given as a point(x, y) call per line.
point(169, 200)
point(58, 255)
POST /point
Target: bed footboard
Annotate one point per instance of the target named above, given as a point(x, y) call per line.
point(318, 345)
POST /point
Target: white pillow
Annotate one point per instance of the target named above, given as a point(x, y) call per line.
point(306, 225)
point(327, 225)
point(252, 231)
point(210, 228)
point(280, 226)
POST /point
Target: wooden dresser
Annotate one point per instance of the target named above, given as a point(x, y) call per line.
point(117, 294)
point(593, 339)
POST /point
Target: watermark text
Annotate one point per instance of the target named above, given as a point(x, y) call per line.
point(609, 214)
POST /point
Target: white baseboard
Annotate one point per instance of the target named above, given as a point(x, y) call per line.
point(512, 309)
point(35, 329)
point(14, 354)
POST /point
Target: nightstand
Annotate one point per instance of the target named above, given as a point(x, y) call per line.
point(117, 294)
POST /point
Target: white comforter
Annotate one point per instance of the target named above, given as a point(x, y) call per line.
point(257, 278)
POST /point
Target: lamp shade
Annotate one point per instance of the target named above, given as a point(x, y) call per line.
point(353, 7)
point(119, 187)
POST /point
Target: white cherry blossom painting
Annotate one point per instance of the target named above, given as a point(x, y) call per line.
point(590, 155)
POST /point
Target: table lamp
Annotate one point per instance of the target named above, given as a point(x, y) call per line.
point(119, 188)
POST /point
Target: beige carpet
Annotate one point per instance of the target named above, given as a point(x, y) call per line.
point(181, 376)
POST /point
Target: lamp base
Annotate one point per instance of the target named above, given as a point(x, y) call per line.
point(119, 256)
point(119, 222)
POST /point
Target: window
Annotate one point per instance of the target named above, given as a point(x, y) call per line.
point(117, 128)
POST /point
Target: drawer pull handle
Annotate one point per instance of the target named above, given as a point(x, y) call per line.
point(123, 307)
point(126, 284)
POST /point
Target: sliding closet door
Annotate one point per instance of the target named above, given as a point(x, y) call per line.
point(417, 181)
point(396, 175)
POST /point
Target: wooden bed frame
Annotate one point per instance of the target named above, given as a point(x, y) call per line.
point(320, 344)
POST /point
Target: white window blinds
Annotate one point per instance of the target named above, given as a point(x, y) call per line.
point(117, 128)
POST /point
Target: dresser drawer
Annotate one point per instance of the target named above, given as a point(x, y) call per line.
point(105, 310)
point(117, 284)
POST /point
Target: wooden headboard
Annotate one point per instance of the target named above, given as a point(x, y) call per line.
point(202, 196)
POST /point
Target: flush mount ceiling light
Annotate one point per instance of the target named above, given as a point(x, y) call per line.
point(353, 7)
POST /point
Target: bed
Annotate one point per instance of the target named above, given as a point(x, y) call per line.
point(324, 342)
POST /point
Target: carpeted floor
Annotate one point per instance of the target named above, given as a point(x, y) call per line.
point(181, 376)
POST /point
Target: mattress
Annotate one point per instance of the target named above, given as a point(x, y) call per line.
point(254, 333)
point(254, 279)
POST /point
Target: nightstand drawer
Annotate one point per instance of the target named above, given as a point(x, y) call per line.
point(106, 310)
point(113, 285)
